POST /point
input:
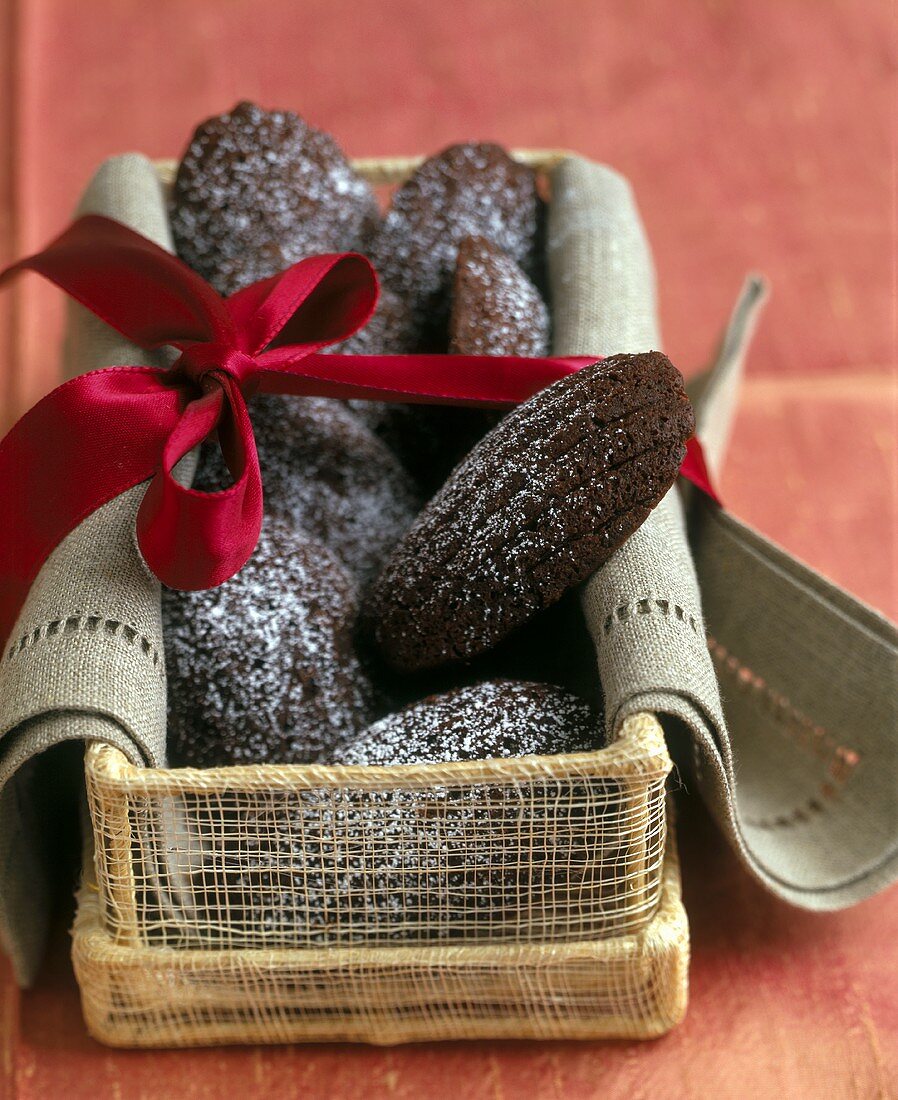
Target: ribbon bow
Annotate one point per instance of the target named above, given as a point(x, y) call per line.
point(106, 431)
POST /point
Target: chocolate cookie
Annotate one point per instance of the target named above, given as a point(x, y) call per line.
point(494, 719)
point(496, 309)
point(466, 189)
point(320, 866)
point(342, 865)
point(539, 504)
point(327, 474)
point(391, 331)
point(257, 190)
point(261, 669)
point(443, 862)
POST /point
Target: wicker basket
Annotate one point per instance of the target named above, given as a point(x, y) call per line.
point(528, 897)
point(632, 986)
point(524, 850)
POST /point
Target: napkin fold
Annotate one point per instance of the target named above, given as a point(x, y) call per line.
point(85, 660)
point(784, 683)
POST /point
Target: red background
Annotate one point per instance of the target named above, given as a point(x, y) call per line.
point(758, 134)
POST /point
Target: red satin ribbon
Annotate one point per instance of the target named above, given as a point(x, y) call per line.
point(106, 431)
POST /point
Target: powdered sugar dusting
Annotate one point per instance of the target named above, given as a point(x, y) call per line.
point(257, 191)
point(334, 479)
point(261, 669)
point(465, 190)
point(496, 309)
point(497, 718)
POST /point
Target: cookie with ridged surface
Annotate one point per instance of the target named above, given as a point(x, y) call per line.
point(539, 504)
point(262, 668)
point(258, 190)
point(496, 309)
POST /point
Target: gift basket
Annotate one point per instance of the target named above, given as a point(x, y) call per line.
point(519, 896)
point(590, 946)
point(497, 859)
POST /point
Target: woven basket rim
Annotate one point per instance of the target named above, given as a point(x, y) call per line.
point(640, 751)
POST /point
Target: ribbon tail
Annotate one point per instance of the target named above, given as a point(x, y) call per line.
point(695, 469)
point(136, 287)
point(86, 442)
point(484, 381)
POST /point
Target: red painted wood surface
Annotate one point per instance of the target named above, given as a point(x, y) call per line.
point(756, 135)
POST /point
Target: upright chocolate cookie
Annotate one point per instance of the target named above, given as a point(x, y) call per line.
point(466, 189)
point(258, 190)
point(262, 669)
point(536, 507)
point(498, 718)
point(329, 476)
point(496, 309)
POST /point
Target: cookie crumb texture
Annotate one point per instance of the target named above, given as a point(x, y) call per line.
point(499, 718)
point(258, 190)
point(496, 309)
point(539, 504)
point(262, 669)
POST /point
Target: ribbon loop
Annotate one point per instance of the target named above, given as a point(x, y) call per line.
point(192, 539)
point(317, 302)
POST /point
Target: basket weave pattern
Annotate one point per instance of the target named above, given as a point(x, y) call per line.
point(519, 850)
point(631, 986)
